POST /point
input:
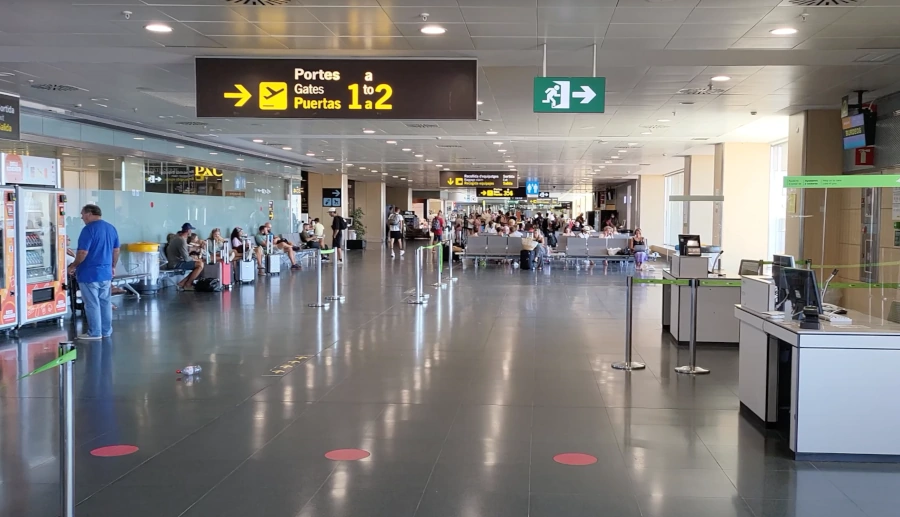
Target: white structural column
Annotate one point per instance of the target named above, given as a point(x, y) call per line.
point(742, 177)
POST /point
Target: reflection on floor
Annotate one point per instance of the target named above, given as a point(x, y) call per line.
point(462, 406)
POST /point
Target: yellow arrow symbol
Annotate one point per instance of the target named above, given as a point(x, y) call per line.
point(243, 95)
point(450, 181)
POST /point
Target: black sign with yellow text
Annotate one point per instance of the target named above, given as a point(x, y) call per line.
point(509, 193)
point(9, 117)
point(337, 88)
point(504, 179)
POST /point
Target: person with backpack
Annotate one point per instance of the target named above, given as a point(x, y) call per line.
point(338, 225)
point(437, 227)
point(395, 225)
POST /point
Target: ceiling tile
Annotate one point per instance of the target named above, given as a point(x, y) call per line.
point(727, 15)
point(872, 15)
point(771, 43)
point(712, 30)
point(226, 28)
point(642, 30)
point(445, 42)
point(651, 14)
point(201, 14)
point(499, 15)
point(363, 30)
point(502, 30)
point(634, 43)
point(356, 15)
point(572, 30)
point(251, 42)
point(414, 14)
point(833, 43)
point(505, 43)
point(599, 15)
point(281, 29)
point(284, 14)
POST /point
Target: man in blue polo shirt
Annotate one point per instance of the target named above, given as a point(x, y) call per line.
point(94, 267)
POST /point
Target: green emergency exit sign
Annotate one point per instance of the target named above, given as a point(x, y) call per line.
point(854, 181)
point(569, 94)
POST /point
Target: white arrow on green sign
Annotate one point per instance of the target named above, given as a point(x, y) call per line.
point(854, 181)
point(569, 94)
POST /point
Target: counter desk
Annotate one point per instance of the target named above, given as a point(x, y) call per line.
point(715, 317)
point(832, 391)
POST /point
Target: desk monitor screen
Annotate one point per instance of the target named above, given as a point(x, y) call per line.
point(802, 289)
point(689, 245)
point(749, 267)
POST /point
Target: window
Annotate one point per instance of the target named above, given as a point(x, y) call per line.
point(675, 213)
point(777, 197)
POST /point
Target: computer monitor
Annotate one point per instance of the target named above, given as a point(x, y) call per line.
point(749, 267)
point(783, 260)
point(802, 289)
point(689, 245)
point(780, 262)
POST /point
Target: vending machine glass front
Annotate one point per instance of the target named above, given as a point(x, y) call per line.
point(40, 238)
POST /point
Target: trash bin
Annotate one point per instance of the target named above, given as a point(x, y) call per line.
point(143, 258)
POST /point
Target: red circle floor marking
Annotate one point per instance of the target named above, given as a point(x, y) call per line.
point(111, 451)
point(575, 458)
point(347, 454)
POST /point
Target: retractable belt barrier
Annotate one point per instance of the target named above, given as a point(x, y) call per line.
point(694, 283)
point(419, 297)
point(335, 295)
point(65, 360)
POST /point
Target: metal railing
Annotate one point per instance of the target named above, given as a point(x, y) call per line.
point(335, 294)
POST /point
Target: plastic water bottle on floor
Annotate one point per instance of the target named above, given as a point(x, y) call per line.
point(189, 370)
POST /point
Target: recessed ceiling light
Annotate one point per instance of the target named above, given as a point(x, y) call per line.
point(419, 155)
point(501, 150)
point(409, 180)
point(407, 149)
point(158, 27)
point(384, 174)
point(258, 140)
point(368, 131)
point(65, 154)
point(607, 161)
point(213, 153)
point(310, 154)
point(138, 138)
point(616, 157)
point(179, 147)
point(663, 120)
point(479, 103)
point(623, 150)
point(394, 142)
point(601, 167)
point(395, 176)
point(720, 78)
point(329, 159)
point(646, 133)
point(91, 165)
point(373, 170)
point(429, 160)
point(632, 143)
point(111, 159)
point(240, 159)
point(286, 148)
point(349, 165)
point(784, 31)
point(432, 30)
point(287, 166)
point(267, 163)
point(498, 143)
point(491, 132)
point(686, 103)
point(362, 168)
point(508, 161)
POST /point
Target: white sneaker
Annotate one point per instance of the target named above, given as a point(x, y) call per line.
point(392, 254)
point(87, 337)
point(402, 252)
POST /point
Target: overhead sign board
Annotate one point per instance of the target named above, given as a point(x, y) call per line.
point(532, 187)
point(331, 197)
point(432, 89)
point(569, 94)
point(544, 195)
point(29, 170)
point(9, 117)
point(503, 179)
point(855, 181)
point(509, 193)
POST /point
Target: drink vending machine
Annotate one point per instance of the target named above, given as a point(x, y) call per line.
point(37, 234)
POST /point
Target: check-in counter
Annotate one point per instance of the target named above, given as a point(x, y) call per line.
point(831, 390)
point(715, 319)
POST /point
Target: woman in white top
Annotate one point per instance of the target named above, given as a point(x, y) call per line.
point(491, 229)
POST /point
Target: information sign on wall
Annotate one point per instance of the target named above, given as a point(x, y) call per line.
point(331, 197)
point(29, 170)
point(9, 117)
point(406, 89)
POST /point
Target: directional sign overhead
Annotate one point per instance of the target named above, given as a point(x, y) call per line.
point(532, 187)
point(569, 94)
point(405, 89)
point(504, 179)
point(852, 181)
point(331, 197)
point(544, 195)
point(509, 193)
point(9, 117)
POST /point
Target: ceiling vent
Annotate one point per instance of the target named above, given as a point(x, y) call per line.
point(655, 126)
point(709, 90)
point(192, 123)
point(449, 146)
point(421, 125)
point(700, 139)
point(822, 3)
point(58, 87)
point(259, 2)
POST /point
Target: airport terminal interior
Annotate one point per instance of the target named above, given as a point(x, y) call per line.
point(450, 258)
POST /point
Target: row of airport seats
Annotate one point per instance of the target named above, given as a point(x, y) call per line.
point(499, 247)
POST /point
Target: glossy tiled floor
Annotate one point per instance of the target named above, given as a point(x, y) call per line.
point(463, 405)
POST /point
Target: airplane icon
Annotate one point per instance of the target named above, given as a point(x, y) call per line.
point(273, 96)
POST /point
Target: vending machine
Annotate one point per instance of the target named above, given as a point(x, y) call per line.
point(8, 306)
point(39, 238)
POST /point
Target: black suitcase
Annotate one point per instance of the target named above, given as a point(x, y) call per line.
point(525, 260)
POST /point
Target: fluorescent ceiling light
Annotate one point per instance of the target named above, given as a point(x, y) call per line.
point(607, 161)
point(213, 153)
point(240, 159)
point(258, 140)
point(632, 143)
point(368, 131)
point(501, 150)
point(384, 174)
point(179, 147)
point(362, 168)
point(784, 31)
point(508, 161)
point(111, 159)
point(158, 27)
point(406, 149)
point(663, 120)
point(491, 132)
point(432, 30)
point(419, 155)
point(286, 148)
point(479, 103)
point(91, 165)
point(429, 160)
point(329, 159)
point(438, 165)
point(65, 154)
point(138, 138)
point(395, 176)
point(391, 142)
point(310, 154)
point(623, 150)
point(720, 78)
point(647, 133)
point(498, 143)
point(409, 180)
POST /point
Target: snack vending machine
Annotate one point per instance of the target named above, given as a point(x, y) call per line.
point(8, 308)
point(42, 254)
point(35, 238)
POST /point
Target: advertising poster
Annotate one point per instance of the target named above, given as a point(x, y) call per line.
point(29, 170)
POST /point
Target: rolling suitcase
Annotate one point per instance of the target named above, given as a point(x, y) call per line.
point(217, 267)
point(273, 261)
point(245, 270)
point(525, 260)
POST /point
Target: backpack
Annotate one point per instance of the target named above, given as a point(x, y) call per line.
point(393, 220)
point(343, 224)
point(208, 285)
point(436, 224)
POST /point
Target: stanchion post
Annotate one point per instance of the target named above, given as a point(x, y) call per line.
point(440, 264)
point(628, 364)
point(692, 368)
point(319, 302)
point(335, 288)
point(419, 297)
point(451, 278)
point(66, 434)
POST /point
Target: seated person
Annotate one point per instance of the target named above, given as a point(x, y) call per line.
point(219, 242)
point(179, 257)
point(517, 232)
point(237, 243)
point(262, 239)
point(196, 248)
point(585, 232)
point(608, 231)
point(307, 238)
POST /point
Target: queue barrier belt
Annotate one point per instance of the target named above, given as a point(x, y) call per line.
point(326, 252)
point(661, 281)
point(720, 283)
